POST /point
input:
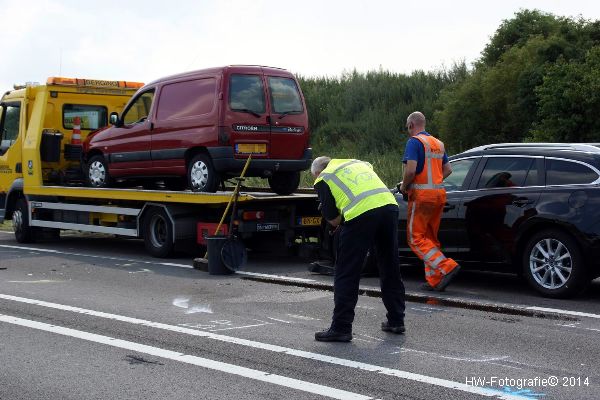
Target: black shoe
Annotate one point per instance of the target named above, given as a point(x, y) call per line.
point(332, 336)
point(426, 286)
point(386, 327)
point(447, 279)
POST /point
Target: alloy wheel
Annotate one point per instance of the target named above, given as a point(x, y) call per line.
point(550, 263)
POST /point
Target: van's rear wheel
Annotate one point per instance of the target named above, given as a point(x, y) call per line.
point(202, 177)
point(20, 221)
point(284, 183)
point(158, 233)
point(97, 172)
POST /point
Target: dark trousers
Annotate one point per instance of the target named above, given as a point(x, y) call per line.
point(376, 228)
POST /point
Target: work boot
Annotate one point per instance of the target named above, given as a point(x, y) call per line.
point(386, 327)
point(447, 279)
point(426, 286)
point(332, 336)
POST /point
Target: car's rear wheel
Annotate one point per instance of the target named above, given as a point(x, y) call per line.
point(284, 183)
point(553, 264)
point(201, 175)
point(97, 172)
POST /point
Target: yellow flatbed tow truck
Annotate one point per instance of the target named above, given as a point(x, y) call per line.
point(42, 187)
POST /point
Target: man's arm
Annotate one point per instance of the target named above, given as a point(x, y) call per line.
point(410, 170)
point(446, 170)
point(328, 208)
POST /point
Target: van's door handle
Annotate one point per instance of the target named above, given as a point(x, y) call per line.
point(521, 201)
point(448, 207)
point(269, 119)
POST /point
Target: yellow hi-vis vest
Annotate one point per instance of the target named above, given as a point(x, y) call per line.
point(355, 187)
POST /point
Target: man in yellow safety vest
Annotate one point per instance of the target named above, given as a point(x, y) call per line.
point(354, 200)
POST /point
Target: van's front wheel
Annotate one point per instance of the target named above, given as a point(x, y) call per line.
point(284, 183)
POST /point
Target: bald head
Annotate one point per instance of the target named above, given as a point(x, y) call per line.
point(415, 123)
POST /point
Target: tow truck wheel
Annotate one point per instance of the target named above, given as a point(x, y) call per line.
point(97, 172)
point(158, 233)
point(20, 221)
point(201, 175)
point(284, 183)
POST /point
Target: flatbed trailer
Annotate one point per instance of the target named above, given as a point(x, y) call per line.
point(162, 218)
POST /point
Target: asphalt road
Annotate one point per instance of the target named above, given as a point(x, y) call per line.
point(96, 318)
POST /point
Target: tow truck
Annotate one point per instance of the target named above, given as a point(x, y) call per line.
point(42, 188)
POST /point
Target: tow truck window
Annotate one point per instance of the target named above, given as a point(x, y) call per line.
point(139, 110)
point(247, 94)
point(92, 117)
point(10, 125)
point(285, 97)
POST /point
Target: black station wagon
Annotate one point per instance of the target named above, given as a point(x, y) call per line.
point(529, 208)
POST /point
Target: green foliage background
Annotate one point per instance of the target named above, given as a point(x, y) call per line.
point(538, 79)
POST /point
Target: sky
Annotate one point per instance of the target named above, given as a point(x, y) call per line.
point(144, 40)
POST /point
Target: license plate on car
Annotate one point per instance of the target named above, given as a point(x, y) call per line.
point(251, 148)
point(310, 221)
point(267, 227)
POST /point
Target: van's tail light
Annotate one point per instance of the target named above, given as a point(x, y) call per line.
point(253, 215)
point(224, 135)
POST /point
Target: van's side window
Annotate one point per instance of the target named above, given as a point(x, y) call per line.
point(186, 99)
point(247, 93)
point(138, 110)
point(285, 97)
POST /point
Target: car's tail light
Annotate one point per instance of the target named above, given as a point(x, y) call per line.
point(253, 215)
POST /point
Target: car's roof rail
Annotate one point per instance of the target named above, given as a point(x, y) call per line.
point(586, 147)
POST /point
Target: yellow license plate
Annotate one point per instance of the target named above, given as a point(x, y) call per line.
point(310, 221)
point(251, 148)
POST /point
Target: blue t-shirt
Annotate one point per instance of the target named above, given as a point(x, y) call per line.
point(415, 151)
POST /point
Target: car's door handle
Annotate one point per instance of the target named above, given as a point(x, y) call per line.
point(521, 201)
point(448, 207)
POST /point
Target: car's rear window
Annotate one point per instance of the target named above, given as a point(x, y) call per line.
point(285, 97)
point(505, 172)
point(247, 93)
point(561, 172)
point(92, 117)
point(186, 99)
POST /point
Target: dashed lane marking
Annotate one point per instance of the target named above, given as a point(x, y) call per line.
point(233, 369)
point(444, 383)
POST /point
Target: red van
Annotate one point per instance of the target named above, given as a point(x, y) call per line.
point(196, 129)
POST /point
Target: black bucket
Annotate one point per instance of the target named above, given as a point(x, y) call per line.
point(214, 245)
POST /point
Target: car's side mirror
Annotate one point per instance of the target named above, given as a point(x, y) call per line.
point(114, 119)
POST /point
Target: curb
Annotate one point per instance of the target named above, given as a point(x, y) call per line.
point(499, 308)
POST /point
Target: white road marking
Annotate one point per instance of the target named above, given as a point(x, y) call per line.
point(280, 320)
point(567, 312)
point(164, 264)
point(278, 349)
point(240, 327)
point(6, 246)
point(40, 281)
point(474, 360)
point(189, 359)
point(303, 317)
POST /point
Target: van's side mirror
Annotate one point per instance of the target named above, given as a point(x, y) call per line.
point(114, 119)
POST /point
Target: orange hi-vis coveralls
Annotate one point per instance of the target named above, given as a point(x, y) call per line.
point(426, 200)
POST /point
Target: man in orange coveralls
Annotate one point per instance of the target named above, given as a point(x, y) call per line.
point(426, 166)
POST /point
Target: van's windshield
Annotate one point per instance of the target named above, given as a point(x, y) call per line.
point(247, 94)
point(285, 97)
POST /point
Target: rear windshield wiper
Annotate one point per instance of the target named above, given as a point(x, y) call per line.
point(247, 110)
point(283, 114)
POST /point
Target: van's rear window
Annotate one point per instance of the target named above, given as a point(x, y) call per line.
point(247, 93)
point(285, 97)
point(92, 117)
